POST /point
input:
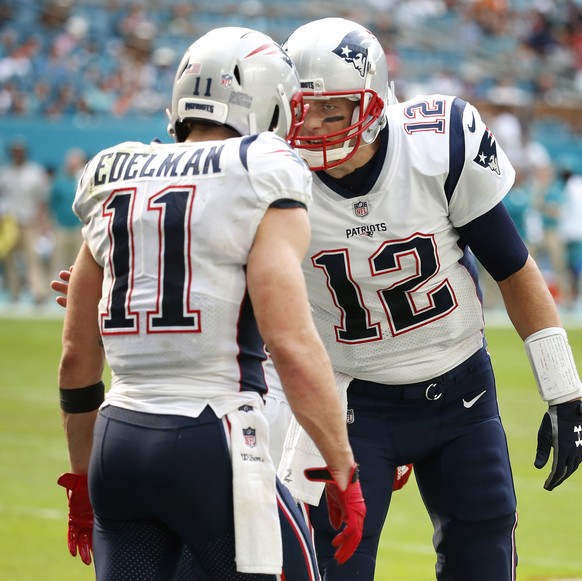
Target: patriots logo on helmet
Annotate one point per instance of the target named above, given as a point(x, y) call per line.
point(350, 49)
point(487, 156)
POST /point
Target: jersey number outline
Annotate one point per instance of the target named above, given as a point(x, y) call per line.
point(434, 112)
point(173, 312)
point(356, 325)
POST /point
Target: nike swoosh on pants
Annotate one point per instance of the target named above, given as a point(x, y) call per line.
point(472, 402)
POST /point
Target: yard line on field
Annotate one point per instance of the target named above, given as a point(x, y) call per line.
point(535, 483)
point(13, 444)
point(426, 549)
point(560, 563)
point(41, 513)
point(32, 395)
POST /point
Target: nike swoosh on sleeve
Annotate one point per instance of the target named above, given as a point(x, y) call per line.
point(472, 127)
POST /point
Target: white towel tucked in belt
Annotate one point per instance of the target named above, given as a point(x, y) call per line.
point(256, 518)
point(299, 453)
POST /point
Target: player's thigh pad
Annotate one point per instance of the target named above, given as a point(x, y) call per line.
point(470, 478)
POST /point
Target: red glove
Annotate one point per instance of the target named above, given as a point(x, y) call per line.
point(401, 476)
point(344, 506)
point(80, 533)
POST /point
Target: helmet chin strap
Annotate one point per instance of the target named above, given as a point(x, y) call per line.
point(369, 136)
point(316, 158)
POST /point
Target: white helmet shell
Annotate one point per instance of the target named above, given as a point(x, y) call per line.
point(236, 77)
point(336, 57)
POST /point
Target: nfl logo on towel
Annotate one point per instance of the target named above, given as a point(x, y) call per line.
point(361, 209)
point(250, 437)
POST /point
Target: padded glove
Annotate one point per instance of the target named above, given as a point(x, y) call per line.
point(561, 429)
point(80, 533)
point(345, 507)
point(401, 476)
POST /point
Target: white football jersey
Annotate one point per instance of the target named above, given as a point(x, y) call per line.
point(172, 226)
point(390, 297)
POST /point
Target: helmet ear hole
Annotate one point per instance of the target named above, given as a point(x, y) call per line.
point(184, 69)
point(274, 119)
point(237, 75)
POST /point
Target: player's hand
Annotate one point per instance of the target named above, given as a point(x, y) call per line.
point(561, 429)
point(62, 286)
point(345, 507)
point(80, 532)
point(401, 476)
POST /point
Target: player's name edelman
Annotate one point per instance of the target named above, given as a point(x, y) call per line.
point(116, 166)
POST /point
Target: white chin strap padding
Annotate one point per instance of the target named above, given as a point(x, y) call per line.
point(316, 159)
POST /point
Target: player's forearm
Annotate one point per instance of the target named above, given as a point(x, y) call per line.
point(83, 358)
point(79, 434)
point(528, 301)
point(81, 366)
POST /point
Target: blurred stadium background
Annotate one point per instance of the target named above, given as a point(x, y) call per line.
point(86, 74)
point(89, 73)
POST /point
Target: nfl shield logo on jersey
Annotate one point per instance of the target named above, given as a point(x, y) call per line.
point(250, 437)
point(361, 209)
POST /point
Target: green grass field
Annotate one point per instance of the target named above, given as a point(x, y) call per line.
point(33, 454)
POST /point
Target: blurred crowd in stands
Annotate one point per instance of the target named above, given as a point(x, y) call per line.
point(519, 61)
point(39, 233)
point(115, 57)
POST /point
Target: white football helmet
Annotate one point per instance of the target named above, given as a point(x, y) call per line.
point(240, 78)
point(340, 58)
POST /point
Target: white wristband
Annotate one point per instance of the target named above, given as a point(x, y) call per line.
point(554, 368)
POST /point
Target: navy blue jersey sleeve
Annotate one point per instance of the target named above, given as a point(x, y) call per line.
point(456, 147)
point(494, 240)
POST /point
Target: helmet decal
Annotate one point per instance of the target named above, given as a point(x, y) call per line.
point(271, 49)
point(350, 49)
point(193, 69)
point(226, 80)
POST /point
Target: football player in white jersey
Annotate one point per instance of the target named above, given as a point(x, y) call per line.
point(191, 263)
point(401, 192)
